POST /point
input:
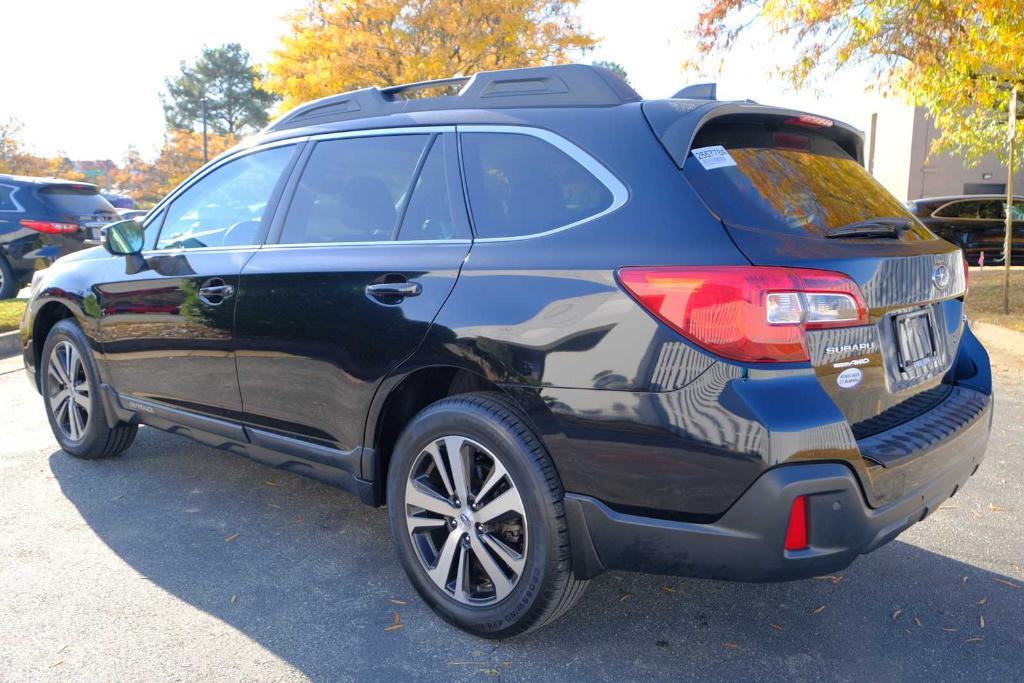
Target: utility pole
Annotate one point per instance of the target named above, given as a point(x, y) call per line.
point(206, 155)
point(1008, 239)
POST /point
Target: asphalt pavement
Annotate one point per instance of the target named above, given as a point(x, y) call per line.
point(179, 562)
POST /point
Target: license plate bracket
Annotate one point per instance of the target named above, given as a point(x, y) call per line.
point(915, 339)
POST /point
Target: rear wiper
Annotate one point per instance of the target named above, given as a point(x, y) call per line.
point(876, 227)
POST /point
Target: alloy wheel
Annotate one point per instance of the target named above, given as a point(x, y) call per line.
point(466, 520)
point(70, 395)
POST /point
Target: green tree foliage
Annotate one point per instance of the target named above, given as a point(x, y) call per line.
point(615, 68)
point(225, 77)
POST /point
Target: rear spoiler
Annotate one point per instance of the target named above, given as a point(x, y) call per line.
point(676, 122)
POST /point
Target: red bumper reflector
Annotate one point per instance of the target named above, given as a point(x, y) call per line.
point(796, 532)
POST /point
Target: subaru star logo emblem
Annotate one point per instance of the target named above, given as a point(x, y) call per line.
point(940, 276)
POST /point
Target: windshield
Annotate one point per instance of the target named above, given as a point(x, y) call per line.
point(76, 200)
point(787, 179)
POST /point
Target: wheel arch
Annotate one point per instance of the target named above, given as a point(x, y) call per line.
point(406, 394)
point(47, 315)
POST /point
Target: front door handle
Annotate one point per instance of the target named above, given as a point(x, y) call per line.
point(389, 292)
point(214, 291)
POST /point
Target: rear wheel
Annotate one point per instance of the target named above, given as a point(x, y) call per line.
point(70, 387)
point(477, 517)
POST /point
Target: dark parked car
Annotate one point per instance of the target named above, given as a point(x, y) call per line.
point(555, 328)
point(42, 219)
point(975, 223)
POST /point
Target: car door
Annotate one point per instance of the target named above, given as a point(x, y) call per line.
point(354, 272)
point(166, 326)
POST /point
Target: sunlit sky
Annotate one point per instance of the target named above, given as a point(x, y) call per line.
point(85, 77)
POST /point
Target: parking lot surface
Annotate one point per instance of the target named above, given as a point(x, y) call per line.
point(177, 562)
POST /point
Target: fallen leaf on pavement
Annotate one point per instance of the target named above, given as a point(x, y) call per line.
point(950, 630)
point(1011, 584)
point(983, 600)
point(731, 646)
point(625, 596)
point(777, 627)
point(818, 610)
point(233, 599)
point(232, 537)
point(974, 640)
point(917, 621)
point(896, 614)
point(996, 508)
point(396, 601)
point(394, 627)
point(668, 589)
point(270, 483)
point(981, 620)
point(833, 579)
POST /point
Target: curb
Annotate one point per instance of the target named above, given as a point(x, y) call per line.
point(10, 344)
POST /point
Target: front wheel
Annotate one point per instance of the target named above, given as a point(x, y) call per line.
point(478, 519)
point(70, 386)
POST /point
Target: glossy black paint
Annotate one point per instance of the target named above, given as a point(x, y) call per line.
point(304, 368)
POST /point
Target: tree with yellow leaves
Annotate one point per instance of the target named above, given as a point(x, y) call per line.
point(957, 58)
point(339, 45)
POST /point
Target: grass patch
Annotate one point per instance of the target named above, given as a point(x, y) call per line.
point(10, 314)
point(985, 300)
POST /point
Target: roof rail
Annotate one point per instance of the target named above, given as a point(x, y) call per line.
point(576, 85)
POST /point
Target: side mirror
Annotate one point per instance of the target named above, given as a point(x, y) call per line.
point(124, 238)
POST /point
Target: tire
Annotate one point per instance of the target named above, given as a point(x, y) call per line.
point(67, 347)
point(8, 281)
point(497, 444)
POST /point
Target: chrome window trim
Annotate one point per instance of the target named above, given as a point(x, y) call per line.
point(203, 171)
point(180, 251)
point(375, 243)
point(620, 194)
point(14, 190)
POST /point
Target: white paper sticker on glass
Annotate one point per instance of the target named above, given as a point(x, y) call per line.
point(713, 157)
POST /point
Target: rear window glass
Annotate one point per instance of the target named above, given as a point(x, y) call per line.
point(76, 200)
point(786, 179)
point(521, 185)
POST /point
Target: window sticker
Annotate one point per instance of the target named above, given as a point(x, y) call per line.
point(713, 157)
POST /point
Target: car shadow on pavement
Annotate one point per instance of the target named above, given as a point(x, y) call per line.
point(316, 582)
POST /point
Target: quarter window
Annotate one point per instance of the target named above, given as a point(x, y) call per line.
point(227, 206)
point(352, 189)
point(521, 185)
point(429, 214)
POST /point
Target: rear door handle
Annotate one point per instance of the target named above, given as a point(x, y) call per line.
point(394, 290)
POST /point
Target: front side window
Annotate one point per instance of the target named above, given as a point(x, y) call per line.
point(226, 206)
point(352, 189)
point(521, 185)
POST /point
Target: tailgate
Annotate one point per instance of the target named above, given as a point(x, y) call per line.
point(791, 193)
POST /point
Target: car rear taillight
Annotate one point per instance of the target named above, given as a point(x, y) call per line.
point(747, 313)
point(796, 530)
point(50, 227)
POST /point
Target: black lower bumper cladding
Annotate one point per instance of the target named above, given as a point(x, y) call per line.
point(747, 542)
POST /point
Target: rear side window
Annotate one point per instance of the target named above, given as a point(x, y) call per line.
point(75, 200)
point(521, 185)
point(986, 209)
point(7, 201)
point(352, 189)
point(786, 179)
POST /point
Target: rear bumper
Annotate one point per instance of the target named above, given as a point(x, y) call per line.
point(746, 542)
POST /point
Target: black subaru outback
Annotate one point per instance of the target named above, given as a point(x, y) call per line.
point(42, 219)
point(557, 329)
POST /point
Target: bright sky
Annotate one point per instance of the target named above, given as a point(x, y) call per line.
point(85, 77)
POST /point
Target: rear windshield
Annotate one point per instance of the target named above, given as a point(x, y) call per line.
point(787, 179)
point(77, 200)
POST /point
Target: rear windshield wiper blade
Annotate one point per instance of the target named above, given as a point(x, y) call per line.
point(876, 227)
